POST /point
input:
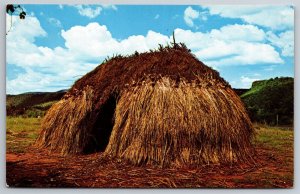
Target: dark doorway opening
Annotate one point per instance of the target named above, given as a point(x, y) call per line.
point(102, 128)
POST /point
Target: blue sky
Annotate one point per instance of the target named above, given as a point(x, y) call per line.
point(57, 44)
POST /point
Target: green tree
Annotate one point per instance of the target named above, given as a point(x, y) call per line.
point(271, 101)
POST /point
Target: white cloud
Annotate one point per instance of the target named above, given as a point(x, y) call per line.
point(189, 15)
point(57, 68)
point(92, 12)
point(203, 16)
point(246, 81)
point(239, 53)
point(55, 22)
point(26, 29)
point(85, 46)
point(230, 45)
point(273, 17)
point(107, 6)
point(20, 39)
point(88, 11)
point(233, 11)
point(45, 68)
point(156, 16)
point(94, 41)
point(284, 41)
point(237, 32)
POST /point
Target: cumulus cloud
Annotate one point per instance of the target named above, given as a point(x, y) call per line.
point(43, 67)
point(88, 11)
point(189, 15)
point(203, 15)
point(230, 45)
point(93, 11)
point(108, 6)
point(57, 68)
point(239, 53)
point(284, 41)
point(53, 69)
point(21, 37)
point(95, 40)
point(55, 22)
point(246, 81)
point(238, 32)
point(273, 17)
point(24, 29)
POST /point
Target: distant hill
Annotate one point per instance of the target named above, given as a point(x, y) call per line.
point(31, 104)
point(271, 101)
point(267, 101)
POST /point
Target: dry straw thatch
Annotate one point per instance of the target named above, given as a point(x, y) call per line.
point(161, 107)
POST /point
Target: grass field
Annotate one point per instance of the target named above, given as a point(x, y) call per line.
point(274, 147)
point(21, 133)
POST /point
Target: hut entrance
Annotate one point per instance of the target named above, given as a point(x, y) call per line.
point(103, 126)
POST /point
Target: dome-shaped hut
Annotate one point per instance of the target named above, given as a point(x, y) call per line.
point(158, 107)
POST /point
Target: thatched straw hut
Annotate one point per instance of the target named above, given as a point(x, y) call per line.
point(160, 107)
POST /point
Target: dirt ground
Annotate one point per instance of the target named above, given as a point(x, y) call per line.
point(38, 168)
point(29, 167)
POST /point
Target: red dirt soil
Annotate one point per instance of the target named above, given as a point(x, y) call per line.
point(38, 168)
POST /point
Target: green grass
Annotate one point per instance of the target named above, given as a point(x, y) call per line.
point(257, 86)
point(253, 90)
point(274, 137)
point(46, 104)
point(21, 133)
